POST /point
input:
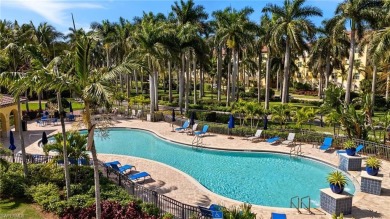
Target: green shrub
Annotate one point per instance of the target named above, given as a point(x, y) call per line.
point(150, 209)
point(168, 216)
point(46, 195)
point(12, 185)
point(80, 201)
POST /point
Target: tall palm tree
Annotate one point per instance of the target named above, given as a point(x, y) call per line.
point(234, 29)
point(358, 13)
point(189, 18)
point(293, 25)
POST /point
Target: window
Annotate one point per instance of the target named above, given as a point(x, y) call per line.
point(356, 76)
point(299, 75)
point(299, 64)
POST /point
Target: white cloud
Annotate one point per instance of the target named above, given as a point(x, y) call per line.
point(53, 10)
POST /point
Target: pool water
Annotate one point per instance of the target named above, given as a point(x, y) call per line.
point(268, 179)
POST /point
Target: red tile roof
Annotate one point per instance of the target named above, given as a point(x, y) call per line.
point(6, 100)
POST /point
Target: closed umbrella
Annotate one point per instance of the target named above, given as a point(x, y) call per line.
point(265, 122)
point(192, 122)
point(44, 138)
point(230, 125)
point(192, 119)
point(70, 107)
point(173, 118)
point(12, 146)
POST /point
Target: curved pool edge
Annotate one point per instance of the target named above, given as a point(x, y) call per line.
point(357, 193)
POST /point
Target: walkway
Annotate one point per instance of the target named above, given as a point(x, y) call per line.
point(178, 185)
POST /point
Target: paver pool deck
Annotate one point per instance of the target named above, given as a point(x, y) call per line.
point(182, 187)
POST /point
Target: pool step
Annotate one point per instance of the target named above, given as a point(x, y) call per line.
point(197, 141)
point(296, 150)
point(300, 203)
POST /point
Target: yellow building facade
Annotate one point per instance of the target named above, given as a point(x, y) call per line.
point(8, 113)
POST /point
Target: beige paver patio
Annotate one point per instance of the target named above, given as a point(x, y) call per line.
point(180, 186)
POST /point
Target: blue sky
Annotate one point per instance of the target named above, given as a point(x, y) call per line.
point(58, 12)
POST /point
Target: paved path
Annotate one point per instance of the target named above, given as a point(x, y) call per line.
point(178, 185)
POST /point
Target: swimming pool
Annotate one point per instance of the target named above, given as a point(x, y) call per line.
point(267, 179)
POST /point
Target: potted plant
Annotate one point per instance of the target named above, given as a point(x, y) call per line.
point(372, 165)
point(350, 147)
point(337, 181)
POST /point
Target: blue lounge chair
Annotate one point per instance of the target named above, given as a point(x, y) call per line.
point(327, 144)
point(278, 216)
point(214, 211)
point(358, 149)
point(122, 169)
point(116, 165)
point(273, 140)
point(184, 127)
point(203, 132)
point(83, 162)
point(137, 176)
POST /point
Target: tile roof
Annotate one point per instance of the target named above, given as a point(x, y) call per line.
point(6, 100)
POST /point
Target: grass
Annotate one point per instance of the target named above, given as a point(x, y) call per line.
point(19, 208)
point(34, 105)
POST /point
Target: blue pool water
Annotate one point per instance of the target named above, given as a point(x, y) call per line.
point(267, 179)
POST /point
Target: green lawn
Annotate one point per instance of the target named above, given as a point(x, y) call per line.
point(35, 105)
point(18, 209)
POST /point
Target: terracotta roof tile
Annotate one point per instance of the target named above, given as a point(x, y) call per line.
point(6, 100)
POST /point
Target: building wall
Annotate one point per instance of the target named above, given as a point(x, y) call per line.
point(5, 113)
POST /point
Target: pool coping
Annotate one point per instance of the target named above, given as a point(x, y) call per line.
point(202, 187)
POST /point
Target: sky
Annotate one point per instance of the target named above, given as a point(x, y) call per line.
point(58, 12)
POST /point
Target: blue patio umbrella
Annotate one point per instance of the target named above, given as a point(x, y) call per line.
point(230, 125)
point(70, 107)
point(192, 119)
point(12, 146)
point(44, 138)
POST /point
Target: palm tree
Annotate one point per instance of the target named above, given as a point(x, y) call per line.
point(234, 29)
point(90, 81)
point(357, 13)
point(189, 19)
point(293, 25)
point(331, 44)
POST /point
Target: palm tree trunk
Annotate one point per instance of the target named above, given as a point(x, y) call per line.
point(387, 85)
point(286, 72)
point(27, 105)
point(327, 71)
point(277, 80)
point(267, 79)
point(188, 82)
point(151, 88)
point(169, 82)
point(201, 78)
point(320, 81)
point(259, 77)
point(181, 82)
point(373, 88)
point(194, 69)
point(128, 91)
point(219, 76)
point(155, 89)
point(228, 86)
point(136, 82)
point(64, 149)
point(91, 147)
point(350, 64)
point(235, 72)
point(40, 102)
point(24, 159)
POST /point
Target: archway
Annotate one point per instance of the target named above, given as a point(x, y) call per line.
point(3, 125)
point(14, 119)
